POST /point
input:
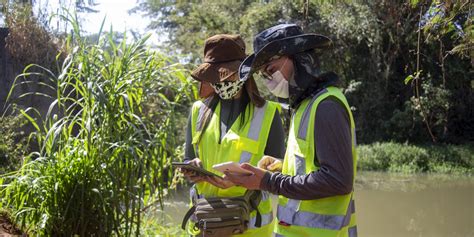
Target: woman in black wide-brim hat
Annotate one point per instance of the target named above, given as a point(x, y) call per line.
point(231, 123)
point(315, 186)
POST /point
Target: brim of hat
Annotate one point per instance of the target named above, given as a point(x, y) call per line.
point(215, 72)
point(286, 46)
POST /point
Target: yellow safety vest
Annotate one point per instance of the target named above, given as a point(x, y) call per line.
point(240, 144)
point(325, 217)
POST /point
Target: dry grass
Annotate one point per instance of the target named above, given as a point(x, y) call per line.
point(29, 42)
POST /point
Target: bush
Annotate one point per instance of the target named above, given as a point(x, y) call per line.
point(406, 158)
point(13, 143)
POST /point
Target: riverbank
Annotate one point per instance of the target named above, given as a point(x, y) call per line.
point(408, 158)
point(387, 204)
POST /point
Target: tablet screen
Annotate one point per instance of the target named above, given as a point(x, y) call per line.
point(198, 170)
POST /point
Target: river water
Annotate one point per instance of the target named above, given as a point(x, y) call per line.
point(395, 205)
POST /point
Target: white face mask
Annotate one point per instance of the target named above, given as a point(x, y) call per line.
point(228, 89)
point(278, 85)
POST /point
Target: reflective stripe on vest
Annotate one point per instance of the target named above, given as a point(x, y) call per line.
point(199, 125)
point(253, 133)
point(314, 220)
point(254, 130)
point(302, 131)
point(352, 231)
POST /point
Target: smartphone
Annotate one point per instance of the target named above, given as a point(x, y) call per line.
point(196, 169)
point(231, 167)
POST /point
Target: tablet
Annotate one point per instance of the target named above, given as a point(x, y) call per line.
point(231, 167)
point(198, 170)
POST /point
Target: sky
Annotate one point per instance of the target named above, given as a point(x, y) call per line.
point(115, 13)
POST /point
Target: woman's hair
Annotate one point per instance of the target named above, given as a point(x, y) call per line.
point(210, 104)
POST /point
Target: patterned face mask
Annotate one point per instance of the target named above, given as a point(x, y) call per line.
point(227, 89)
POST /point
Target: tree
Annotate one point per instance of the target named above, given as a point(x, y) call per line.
point(377, 44)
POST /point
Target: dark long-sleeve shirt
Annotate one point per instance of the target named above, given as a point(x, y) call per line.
point(333, 153)
point(229, 112)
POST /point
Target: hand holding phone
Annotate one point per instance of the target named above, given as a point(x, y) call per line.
point(231, 167)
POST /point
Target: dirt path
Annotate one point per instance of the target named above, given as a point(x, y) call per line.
point(7, 228)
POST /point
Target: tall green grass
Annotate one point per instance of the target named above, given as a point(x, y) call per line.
point(106, 142)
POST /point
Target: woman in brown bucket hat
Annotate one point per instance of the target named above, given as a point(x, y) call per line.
point(232, 122)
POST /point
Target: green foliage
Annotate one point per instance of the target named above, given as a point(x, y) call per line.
point(397, 157)
point(13, 145)
point(167, 228)
point(106, 143)
point(375, 47)
point(193, 21)
point(261, 15)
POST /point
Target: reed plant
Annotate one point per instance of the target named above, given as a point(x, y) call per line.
point(105, 144)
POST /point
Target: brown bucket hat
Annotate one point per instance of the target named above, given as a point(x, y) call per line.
point(223, 54)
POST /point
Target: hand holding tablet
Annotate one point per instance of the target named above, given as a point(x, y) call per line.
point(196, 169)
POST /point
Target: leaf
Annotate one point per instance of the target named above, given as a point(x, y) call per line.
point(418, 73)
point(413, 3)
point(30, 119)
point(408, 79)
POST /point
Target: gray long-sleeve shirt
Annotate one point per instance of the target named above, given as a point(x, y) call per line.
point(333, 153)
point(229, 112)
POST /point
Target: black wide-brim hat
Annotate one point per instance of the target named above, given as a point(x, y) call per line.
point(279, 40)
